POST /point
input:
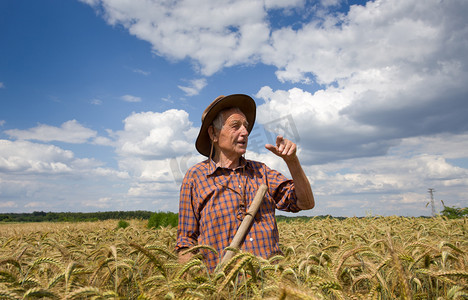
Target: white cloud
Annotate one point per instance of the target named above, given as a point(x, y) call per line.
point(103, 203)
point(393, 184)
point(389, 69)
point(379, 35)
point(156, 150)
point(46, 177)
point(2, 122)
point(361, 119)
point(8, 204)
point(139, 71)
point(96, 101)
point(109, 173)
point(36, 205)
point(275, 4)
point(130, 98)
point(69, 132)
point(327, 3)
point(219, 34)
point(27, 157)
point(194, 87)
point(151, 135)
point(147, 148)
point(213, 33)
point(388, 118)
point(2, 85)
point(100, 140)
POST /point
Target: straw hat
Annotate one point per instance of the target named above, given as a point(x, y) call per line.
point(245, 103)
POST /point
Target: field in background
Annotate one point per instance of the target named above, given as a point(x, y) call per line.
point(368, 258)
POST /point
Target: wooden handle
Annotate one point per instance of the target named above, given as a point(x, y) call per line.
point(244, 227)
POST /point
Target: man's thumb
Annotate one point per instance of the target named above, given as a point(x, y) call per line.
point(270, 147)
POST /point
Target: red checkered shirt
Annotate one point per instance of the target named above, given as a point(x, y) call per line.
point(213, 201)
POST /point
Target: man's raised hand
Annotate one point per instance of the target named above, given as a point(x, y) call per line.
point(284, 148)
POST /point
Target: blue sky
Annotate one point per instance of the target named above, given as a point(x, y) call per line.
point(101, 99)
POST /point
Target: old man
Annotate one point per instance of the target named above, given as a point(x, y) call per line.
point(216, 193)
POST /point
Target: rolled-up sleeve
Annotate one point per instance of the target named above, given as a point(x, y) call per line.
point(188, 228)
point(282, 190)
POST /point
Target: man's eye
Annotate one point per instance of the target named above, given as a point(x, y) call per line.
point(239, 125)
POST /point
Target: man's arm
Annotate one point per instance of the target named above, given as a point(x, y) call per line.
point(286, 149)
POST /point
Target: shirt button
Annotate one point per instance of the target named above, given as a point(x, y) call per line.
point(251, 239)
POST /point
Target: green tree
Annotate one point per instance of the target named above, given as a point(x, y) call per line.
point(453, 212)
point(163, 219)
point(123, 224)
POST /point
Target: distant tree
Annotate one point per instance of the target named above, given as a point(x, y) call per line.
point(453, 212)
point(163, 219)
point(123, 224)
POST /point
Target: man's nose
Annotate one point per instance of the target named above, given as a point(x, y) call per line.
point(244, 131)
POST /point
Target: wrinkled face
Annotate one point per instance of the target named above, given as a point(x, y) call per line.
point(233, 136)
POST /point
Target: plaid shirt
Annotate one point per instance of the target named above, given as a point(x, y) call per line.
point(213, 202)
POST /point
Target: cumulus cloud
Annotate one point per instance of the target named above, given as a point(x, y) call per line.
point(2, 122)
point(272, 4)
point(194, 87)
point(156, 148)
point(218, 34)
point(130, 98)
point(8, 204)
point(332, 128)
point(213, 34)
point(39, 176)
point(153, 135)
point(69, 132)
point(383, 120)
point(27, 157)
point(150, 148)
point(103, 203)
point(24, 157)
point(396, 183)
point(372, 37)
point(104, 141)
point(386, 70)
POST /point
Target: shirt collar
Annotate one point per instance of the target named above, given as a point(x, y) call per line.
point(212, 168)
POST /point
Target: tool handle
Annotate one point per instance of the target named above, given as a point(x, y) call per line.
point(244, 227)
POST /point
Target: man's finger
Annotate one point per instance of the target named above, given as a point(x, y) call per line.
point(286, 149)
point(280, 144)
point(283, 148)
point(271, 148)
point(279, 140)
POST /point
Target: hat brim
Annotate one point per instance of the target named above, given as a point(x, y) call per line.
point(244, 102)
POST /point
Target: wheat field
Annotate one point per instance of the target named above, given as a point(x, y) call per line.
point(367, 258)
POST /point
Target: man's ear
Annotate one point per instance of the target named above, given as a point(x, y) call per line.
point(212, 133)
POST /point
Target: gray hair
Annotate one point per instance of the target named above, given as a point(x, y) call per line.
point(219, 120)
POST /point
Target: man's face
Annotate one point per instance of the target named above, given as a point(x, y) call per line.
point(233, 136)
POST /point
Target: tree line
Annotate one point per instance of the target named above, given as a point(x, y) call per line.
point(158, 219)
point(41, 216)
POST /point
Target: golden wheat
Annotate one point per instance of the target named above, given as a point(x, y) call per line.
point(368, 258)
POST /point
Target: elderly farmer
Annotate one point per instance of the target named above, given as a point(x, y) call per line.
point(216, 193)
